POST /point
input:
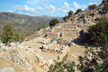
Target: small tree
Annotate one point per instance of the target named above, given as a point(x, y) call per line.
point(70, 14)
point(9, 34)
point(19, 36)
point(105, 8)
point(65, 18)
point(93, 6)
point(95, 32)
point(53, 22)
point(78, 10)
point(104, 1)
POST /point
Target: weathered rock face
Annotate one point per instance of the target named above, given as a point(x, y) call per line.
point(7, 69)
point(25, 58)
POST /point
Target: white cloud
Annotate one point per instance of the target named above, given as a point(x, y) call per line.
point(76, 5)
point(26, 9)
point(90, 3)
point(10, 11)
point(27, 13)
point(84, 7)
point(34, 2)
point(95, 2)
point(48, 9)
point(51, 8)
point(39, 9)
point(65, 8)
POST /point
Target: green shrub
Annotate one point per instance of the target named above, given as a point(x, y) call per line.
point(30, 33)
point(65, 18)
point(53, 22)
point(61, 66)
point(105, 1)
point(82, 16)
point(105, 8)
point(70, 14)
point(96, 33)
point(41, 27)
point(86, 45)
point(78, 10)
point(93, 6)
point(94, 65)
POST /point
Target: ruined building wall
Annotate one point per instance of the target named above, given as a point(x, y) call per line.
point(70, 33)
point(58, 30)
point(53, 35)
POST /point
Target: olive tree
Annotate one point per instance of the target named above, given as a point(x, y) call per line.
point(70, 14)
point(93, 6)
point(78, 10)
point(9, 34)
point(53, 22)
point(65, 18)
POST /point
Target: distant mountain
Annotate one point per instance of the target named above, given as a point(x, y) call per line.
point(50, 17)
point(23, 23)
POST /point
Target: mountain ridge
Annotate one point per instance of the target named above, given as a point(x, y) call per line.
point(24, 23)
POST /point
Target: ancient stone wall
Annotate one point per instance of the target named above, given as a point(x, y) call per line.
point(69, 33)
point(58, 29)
point(69, 25)
point(53, 35)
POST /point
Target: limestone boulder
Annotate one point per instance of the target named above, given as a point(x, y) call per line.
point(7, 69)
point(54, 42)
point(1, 44)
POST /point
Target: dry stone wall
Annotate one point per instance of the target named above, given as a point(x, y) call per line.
point(69, 33)
point(53, 35)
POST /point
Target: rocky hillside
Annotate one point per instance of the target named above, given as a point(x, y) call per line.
point(40, 50)
point(23, 23)
point(76, 25)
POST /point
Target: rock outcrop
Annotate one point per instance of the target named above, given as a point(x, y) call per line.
point(7, 69)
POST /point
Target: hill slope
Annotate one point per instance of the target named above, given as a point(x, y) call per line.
point(23, 23)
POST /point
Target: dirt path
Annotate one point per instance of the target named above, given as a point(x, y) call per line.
point(75, 52)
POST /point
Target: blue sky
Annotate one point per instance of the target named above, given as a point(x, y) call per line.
point(44, 7)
